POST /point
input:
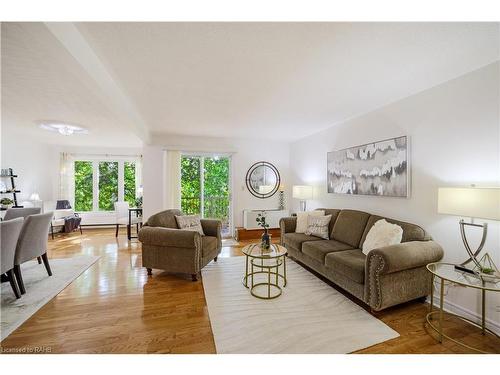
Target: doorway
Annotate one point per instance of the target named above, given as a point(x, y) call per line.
point(206, 188)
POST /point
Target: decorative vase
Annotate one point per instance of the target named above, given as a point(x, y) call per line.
point(266, 240)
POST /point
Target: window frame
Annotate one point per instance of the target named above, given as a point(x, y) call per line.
point(95, 178)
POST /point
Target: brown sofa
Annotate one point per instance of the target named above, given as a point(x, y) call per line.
point(386, 277)
point(166, 247)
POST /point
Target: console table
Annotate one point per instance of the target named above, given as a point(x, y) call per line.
point(138, 213)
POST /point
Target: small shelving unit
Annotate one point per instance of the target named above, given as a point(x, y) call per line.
point(12, 189)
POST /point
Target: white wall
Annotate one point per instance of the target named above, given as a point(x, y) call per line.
point(35, 163)
point(454, 141)
point(244, 154)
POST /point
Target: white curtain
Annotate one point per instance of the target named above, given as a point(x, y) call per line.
point(173, 179)
point(138, 177)
point(67, 178)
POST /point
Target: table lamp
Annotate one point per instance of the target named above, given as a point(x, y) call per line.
point(303, 193)
point(481, 203)
point(35, 199)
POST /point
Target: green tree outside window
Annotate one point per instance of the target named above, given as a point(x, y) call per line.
point(190, 185)
point(108, 185)
point(129, 183)
point(84, 186)
point(215, 186)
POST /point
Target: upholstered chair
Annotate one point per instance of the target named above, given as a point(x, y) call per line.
point(61, 209)
point(9, 233)
point(32, 243)
point(13, 213)
point(166, 247)
point(122, 218)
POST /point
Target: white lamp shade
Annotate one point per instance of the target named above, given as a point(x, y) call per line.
point(302, 192)
point(35, 197)
point(481, 203)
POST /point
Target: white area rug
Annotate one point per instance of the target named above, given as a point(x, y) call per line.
point(309, 317)
point(40, 289)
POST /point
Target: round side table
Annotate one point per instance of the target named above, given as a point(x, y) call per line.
point(447, 272)
point(267, 262)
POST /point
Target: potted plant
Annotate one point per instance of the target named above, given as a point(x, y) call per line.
point(138, 202)
point(6, 202)
point(266, 237)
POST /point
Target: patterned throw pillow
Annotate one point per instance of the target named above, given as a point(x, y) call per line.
point(190, 222)
point(301, 226)
point(318, 226)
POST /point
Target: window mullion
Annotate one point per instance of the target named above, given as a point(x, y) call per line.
point(202, 186)
point(121, 181)
point(95, 195)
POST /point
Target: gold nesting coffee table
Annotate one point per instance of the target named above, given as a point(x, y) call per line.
point(265, 262)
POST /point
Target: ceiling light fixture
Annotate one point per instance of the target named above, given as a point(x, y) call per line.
point(62, 128)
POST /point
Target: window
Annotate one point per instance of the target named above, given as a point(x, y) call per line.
point(129, 183)
point(108, 185)
point(190, 185)
point(83, 186)
point(101, 183)
point(205, 187)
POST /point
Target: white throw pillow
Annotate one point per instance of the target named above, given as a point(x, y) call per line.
point(318, 226)
point(301, 226)
point(382, 234)
point(190, 222)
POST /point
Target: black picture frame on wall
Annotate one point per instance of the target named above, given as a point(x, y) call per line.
point(262, 167)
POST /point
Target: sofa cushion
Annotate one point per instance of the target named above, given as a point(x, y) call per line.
point(208, 244)
point(411, 232)
point(318, 249)
point(350, 226)
point(317, 226)
point(335, 214)
point(296, 240)
point(165, 219)
point(189, 222)
point(303, 217)
point(349, 263)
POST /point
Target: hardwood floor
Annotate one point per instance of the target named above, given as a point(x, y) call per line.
point(114, 307)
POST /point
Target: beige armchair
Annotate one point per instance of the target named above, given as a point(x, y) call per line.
point(166, 247)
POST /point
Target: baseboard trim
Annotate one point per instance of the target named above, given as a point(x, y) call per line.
point(466, 313)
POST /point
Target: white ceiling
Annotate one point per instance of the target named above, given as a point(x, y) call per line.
point(42, 81)
point(251, 80)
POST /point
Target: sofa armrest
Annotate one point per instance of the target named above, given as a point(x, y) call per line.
point(404, 256)
point(396, 274)
point(169, 237)
point(211, 227)
point(287, 225)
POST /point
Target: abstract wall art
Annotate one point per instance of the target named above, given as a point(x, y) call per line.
point(378, 168)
